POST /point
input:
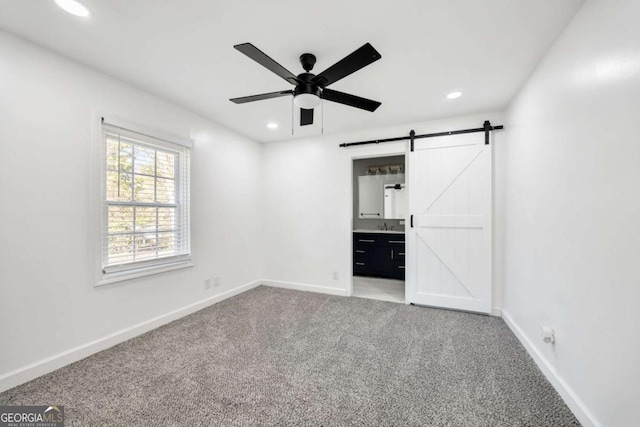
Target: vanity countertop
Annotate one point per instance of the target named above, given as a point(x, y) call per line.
point(361, 230)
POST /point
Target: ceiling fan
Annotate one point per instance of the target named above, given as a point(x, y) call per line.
point(310, 88)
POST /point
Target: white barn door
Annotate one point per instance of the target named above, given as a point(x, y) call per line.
point(449, 247)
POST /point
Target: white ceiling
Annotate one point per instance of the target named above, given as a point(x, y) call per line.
point(183, 52)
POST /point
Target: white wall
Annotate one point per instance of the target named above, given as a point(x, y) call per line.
point(307, 206)
point(48, 304)
point(572, 236)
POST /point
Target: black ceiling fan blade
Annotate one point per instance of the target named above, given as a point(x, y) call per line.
point(356, 60)
point(261, 58)
point(350, 100)
point(262, 96)
point(306, 117)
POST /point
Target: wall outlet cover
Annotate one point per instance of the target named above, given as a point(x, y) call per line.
point(548, 335)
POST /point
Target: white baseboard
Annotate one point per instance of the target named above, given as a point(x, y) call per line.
point(496, 311)
point(50, 364)
point(577, 406)
point(305, 287)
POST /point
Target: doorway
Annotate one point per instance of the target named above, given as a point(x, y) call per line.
point(448, 237)
point(378, 235)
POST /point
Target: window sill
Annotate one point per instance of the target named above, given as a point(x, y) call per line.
point(107, 279)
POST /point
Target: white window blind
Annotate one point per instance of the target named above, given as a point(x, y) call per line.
point(146, 206)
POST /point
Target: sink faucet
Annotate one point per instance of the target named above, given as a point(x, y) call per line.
point(384, 226)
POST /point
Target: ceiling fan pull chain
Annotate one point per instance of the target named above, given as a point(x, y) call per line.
point(292, 107)
point(322, 115)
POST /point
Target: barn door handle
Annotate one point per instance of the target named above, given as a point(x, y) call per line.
point(411, 221)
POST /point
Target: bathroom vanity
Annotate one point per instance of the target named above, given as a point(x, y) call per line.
point(379, 253)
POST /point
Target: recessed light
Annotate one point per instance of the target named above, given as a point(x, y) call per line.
point(454, 95)
point(74, 7)
point(272, 125)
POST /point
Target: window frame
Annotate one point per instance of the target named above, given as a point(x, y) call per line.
point(127, 271)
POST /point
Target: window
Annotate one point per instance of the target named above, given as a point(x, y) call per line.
point(145, 194)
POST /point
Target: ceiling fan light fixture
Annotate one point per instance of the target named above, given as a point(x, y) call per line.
point(308, 101)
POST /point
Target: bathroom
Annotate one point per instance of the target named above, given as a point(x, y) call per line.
point(379, 210)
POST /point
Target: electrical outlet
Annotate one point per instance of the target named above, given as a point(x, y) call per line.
point(335, 275)
point(217, 280)
point(207, 283)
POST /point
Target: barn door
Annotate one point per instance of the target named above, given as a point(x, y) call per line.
point(449, 247)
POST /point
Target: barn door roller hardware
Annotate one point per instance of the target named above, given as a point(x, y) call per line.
point(486, 128)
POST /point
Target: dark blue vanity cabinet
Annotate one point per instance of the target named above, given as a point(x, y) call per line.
point(379, 255)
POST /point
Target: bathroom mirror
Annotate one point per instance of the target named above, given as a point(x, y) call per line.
point(394, 201)
point(381, 196)
point(370, 203)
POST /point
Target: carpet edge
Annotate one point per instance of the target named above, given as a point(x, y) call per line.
point(34, 370)
point(568, 395)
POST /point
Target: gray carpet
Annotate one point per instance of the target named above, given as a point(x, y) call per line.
point(281, 357)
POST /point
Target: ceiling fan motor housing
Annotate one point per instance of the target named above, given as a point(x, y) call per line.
point(306, 85)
